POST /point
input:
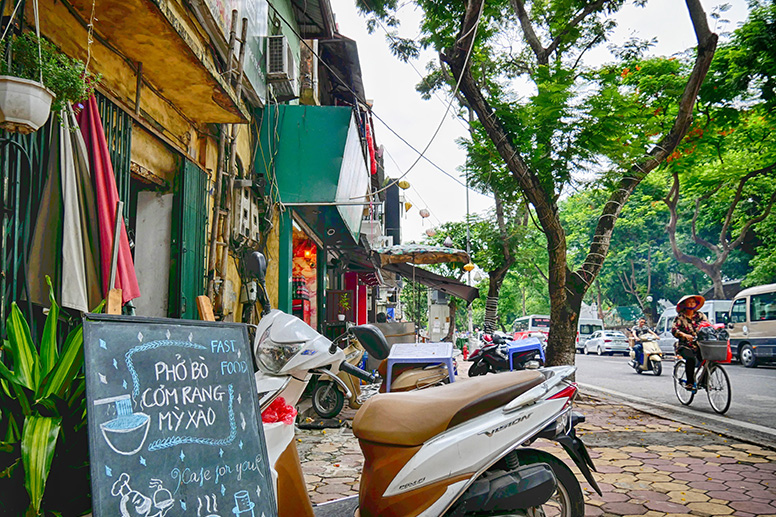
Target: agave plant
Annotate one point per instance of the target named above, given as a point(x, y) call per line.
point(42, 388)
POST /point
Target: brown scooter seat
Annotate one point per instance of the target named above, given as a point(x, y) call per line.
point(410, 418)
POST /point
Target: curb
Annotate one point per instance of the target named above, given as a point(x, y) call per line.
point(739, 430)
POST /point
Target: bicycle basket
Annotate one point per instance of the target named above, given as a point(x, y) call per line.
point(713, 350)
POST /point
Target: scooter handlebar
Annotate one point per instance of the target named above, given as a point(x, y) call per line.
point(357, 372)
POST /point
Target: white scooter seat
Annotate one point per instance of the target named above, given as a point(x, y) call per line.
point(410, 418)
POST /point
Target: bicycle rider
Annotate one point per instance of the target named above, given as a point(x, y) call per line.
point(685, 329)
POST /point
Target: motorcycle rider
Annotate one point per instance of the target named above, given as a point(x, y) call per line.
point(685, 329)
point(641, 332)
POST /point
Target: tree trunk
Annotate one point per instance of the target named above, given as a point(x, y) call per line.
point(491, 304)
point(599, 300)
point(716, 277)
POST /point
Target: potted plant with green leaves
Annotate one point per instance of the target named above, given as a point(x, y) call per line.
point(344, 306)
point(43, 440)
point(38, 79)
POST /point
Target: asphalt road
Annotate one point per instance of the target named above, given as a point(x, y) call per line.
point(754, 390)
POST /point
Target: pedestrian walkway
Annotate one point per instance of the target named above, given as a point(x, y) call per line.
point(646, 466)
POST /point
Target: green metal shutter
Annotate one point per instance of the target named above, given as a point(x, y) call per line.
point(189, 230)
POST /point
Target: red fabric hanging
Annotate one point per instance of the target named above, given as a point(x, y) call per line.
point(370, 143)
point(107, 195)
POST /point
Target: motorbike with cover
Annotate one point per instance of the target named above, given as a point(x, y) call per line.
point(457, 449)
point(499, 354)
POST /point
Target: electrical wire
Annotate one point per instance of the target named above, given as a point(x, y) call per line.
point(420, 74)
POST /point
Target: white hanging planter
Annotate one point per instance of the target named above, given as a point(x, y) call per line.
point(25, 105)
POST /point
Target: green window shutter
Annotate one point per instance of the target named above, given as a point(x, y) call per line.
point(189, 229)
point(118, 135)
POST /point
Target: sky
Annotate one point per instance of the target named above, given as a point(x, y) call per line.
point(390, 83)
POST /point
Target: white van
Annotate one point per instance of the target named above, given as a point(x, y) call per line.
point(752, 325)
point(716, 311)
point(585, 330)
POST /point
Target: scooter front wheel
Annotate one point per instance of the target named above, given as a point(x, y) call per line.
point(657, 367)
point(567, 501)
point(328, 400)
point(478, 368)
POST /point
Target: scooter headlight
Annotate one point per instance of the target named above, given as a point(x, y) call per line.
point(274, 356)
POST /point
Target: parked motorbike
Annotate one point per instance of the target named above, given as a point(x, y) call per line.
point(329, 395)
point(448, 450)
point(652, 358)
point(493, 356)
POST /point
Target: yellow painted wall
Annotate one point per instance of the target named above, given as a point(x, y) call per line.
point(118, 77)
point(199, 141)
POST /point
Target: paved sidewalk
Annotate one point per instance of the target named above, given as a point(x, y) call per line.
point(646, 466)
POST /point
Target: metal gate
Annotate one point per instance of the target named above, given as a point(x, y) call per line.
point(23, 163)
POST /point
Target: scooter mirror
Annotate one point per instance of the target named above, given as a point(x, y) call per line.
point(373, 341)
point(256, 264)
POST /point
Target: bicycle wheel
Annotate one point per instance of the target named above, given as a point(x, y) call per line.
point(718, 389)
point(684, 395)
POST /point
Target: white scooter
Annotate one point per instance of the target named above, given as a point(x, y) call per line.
point(651, 357)
point(451, 450)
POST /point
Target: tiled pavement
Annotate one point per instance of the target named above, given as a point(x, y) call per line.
point(646, 466)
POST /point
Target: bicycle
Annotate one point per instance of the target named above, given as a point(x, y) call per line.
point(709, 376)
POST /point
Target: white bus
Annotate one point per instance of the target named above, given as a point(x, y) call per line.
point(532, 322)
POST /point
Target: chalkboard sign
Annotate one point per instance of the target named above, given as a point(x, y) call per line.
point(173, 422)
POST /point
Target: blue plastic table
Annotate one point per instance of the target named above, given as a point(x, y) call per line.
point(420, 353)
point(523, 345)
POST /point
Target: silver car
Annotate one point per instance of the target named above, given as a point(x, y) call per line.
point(607, 342)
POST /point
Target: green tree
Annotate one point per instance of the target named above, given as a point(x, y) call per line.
point(726, 165)
point(576, 119)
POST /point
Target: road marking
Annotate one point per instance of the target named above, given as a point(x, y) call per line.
point(697, 414)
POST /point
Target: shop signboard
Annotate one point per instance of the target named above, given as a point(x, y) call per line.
point(174, 427)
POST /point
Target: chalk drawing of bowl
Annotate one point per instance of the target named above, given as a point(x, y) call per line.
point(126, 434)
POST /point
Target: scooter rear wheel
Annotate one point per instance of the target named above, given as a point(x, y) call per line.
point(327, 399)
point(567, 501)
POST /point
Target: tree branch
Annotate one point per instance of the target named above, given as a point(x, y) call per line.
point(737, 198)
point(528, 31)
point(672, 200)
point(759, 218)
point(698, 239)
point(590, 8)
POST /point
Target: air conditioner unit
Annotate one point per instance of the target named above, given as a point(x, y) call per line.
point(281, 67)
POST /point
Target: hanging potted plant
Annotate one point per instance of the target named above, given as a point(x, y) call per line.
point(38, 79)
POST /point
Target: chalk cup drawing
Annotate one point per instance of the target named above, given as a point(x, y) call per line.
point(126, 433)
point(243, 506)
point(135, 504)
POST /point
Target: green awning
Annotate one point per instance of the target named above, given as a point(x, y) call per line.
point(316, 158)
